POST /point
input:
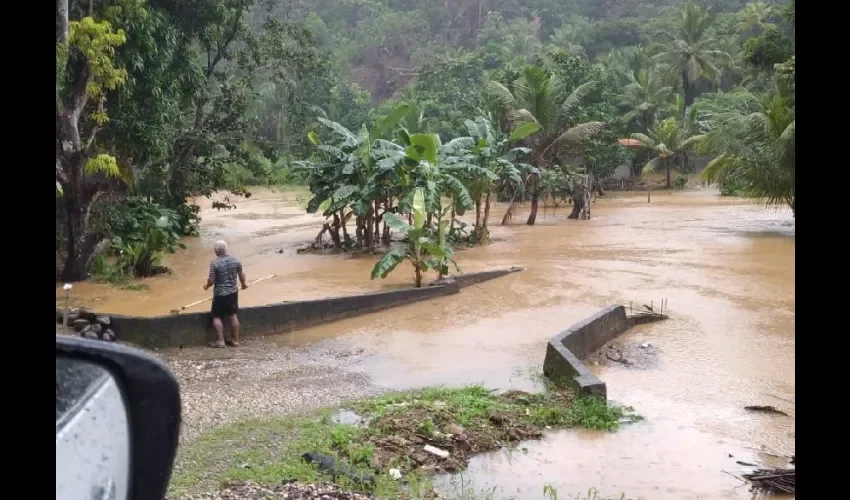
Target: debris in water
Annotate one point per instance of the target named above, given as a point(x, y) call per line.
point(773, 480)
point(765, 409)
point(745, 464)
point(436, 451)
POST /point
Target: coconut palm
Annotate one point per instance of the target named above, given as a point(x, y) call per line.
point(691, 51)
point(537, 96)
point(572, 38)
point(753, 15)
point(668, 141)
point(756, 149)
point(644, 97)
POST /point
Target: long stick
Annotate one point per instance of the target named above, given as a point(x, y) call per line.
point(193, 304)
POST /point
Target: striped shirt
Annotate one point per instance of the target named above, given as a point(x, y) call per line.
point(224, 272)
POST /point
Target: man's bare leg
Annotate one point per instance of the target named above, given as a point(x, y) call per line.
point(234, 324)
point(219, 333)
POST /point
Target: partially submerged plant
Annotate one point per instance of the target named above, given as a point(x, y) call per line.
point(424, 250)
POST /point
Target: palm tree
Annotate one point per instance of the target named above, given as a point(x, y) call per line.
point(644, 97)
point(540, 97)
point(668, 141)
point(572, 38)
point(690, 51)
point(756, 149)
point(752, 17)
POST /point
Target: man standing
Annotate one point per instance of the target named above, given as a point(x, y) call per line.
point(224, 270)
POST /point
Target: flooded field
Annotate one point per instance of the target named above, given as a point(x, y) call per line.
point(726, 267)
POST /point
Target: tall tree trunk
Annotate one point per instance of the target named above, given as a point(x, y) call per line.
point(359, 231)
point(377, 221)
point(581, 201)
point(669, 168)
point(335, 231)
point(535, 195)
point(417, 276)
point(478, 232)
point(509, 213)
point(385, 238)
point(689, 91)
point(485, 232)
point(368, 232)
point(345, 237)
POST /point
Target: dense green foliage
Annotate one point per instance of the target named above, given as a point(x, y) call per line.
point(165, 100)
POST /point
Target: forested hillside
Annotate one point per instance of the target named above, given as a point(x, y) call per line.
point(160, 100)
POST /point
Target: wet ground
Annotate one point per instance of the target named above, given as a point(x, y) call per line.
point(725, 266)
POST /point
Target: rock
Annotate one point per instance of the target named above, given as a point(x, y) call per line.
point(498, 420)
point(88, 334)
point(72, 316)
point(428, 470)
point(86, 314)
point(330, 465)
point(108, 335)
point(645, 345)
point(80, 324)
point(104, 320)
point(96, 328)
point(455, 429)
point(436, 451)
point(60, 316)
point(395, 474)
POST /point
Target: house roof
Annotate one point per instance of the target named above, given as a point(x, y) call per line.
point(630, 143)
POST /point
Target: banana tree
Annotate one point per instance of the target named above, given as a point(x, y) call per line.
point(425, 165)
point(486, 158)
point(351, 178)
point(424, 249)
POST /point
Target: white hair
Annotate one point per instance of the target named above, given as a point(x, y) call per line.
point(220, 247)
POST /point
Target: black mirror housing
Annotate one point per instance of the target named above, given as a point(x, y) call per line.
point(152, 400)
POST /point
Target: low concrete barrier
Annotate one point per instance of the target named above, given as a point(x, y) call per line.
point(190, 329)
point(565, 350)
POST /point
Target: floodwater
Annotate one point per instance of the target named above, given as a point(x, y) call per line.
point(725, 266)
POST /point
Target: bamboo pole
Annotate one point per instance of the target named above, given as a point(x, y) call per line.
point(193, 304)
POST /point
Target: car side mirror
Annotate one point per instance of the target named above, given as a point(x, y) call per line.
point(117, 422)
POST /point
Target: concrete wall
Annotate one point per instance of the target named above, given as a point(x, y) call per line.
point(189, 329)
point(565, 350)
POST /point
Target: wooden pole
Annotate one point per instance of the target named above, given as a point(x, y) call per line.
point(193, 304)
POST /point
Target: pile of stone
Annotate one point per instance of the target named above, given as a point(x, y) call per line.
point(88, 324)
point(293, 491)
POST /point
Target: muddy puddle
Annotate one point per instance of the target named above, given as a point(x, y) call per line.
point(725, 266)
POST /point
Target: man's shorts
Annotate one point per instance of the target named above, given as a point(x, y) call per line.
point(225, 305)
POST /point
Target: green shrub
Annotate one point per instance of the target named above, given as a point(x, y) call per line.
point(143, 233)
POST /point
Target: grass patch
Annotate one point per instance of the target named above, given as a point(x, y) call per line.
point(464, 422)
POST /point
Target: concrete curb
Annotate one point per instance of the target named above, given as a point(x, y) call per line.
point(192, 329)
point(565, 350)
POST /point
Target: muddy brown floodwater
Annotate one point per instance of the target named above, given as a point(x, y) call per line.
point(726, 267)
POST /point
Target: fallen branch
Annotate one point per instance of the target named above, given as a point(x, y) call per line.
point(765, 409)
point(773, 480)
